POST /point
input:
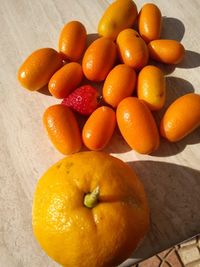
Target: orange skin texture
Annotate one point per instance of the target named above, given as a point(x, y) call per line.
point(99, 128)
point(132, 49)
point(150, 22)
point(65, 80)
point(166, 51)
point(99, 59)
point(36, 71)
point(181, 118)
point(151, 87)
point(72, 40)
point(137, 125)
point(119, 83)
point(62, 129)
point(121, 14)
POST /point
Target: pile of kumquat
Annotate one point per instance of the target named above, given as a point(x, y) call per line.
point(119, 59)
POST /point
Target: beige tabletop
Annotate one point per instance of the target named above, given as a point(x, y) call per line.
point(171, 176)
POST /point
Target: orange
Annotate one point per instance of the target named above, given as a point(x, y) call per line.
point(99, 59)
point(99, 128)
point(72, 40)
point(37, 69)
point(181, 118)
point(78, 228)
point(150, 22)
point(151, 87)
point(62, 129)
point(121, 14)
point(166, 51)
point(65, 80)
point(137, 125)
point(119, 83)
point(132, 49)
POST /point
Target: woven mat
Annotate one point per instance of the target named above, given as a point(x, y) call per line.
point(186, 254)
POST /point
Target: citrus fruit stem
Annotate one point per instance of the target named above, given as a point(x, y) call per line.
point(91, 199)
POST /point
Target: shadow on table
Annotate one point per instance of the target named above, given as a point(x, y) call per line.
point(166, 68)
point(174, 200)
point(44, 90)
point(175, 88)
point(117, 144)
point(167, 149)
point(91, 37)
point(191, 60)
point(172, 28)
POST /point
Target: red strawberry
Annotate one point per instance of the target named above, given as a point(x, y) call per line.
point(84, 99)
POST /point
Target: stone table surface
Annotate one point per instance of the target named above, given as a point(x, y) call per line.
point(171, 175)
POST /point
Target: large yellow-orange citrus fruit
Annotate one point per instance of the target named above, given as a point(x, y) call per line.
point(90, 210)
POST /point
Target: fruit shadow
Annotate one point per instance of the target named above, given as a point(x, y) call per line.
point(191, 60)
point(91, 37)
point(174, 200)
point(166, 68)
point(44, 90)
point(176, 87)
point(117, 144)
point(172, 28)
point(167, 148)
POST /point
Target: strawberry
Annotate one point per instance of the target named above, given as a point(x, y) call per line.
point(84, 99)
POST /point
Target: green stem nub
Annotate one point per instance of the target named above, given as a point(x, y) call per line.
point(91, 199)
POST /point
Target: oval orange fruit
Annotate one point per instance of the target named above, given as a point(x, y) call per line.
point(37, 69)
point(119, 83)
point(65, 80)
point(150, 22)
point(132, 49)
point(166, 51)
point(72, 40)
point(62, 129)
point(99, 128)
point(137, 125)
point(99, 59)
point(151, 87)
point(181, 118)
